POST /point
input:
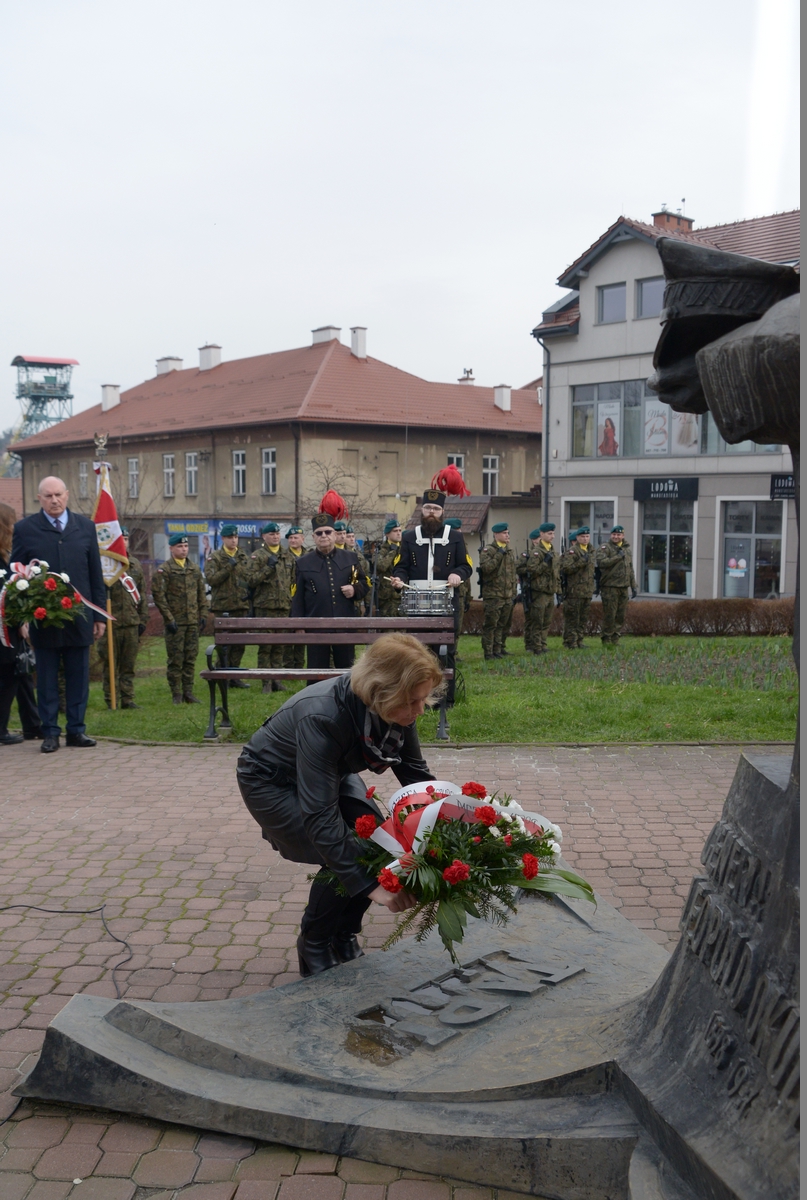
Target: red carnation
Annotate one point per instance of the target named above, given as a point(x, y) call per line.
point(477, 839)
point(430, 789)
point(370, 792)
point(433, 853)
point(477, 790)
point(390, 881)
point(457, 872)
point(50, 584)
point(40, 613)
point(365, 826)
point(530, 868)
point(67, 602)
point(487, 814)
point(507, 839)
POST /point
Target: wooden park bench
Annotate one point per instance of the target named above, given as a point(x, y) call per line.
point(311, 631)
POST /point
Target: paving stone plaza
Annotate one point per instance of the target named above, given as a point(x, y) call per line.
point(160, 836)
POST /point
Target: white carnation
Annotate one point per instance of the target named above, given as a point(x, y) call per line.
point(556, 832)
point(65, 577)
point(494, 832)
point(43, 566)
point(36, 570)
point(3, 573)
point(22, 585)
point(554, 847)
point(521, 824)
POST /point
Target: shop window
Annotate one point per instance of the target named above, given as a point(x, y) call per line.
point(597, 514)
point(752, 548)
point(712, 443)
point(667, 527)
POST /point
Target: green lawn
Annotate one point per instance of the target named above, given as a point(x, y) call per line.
point(646, 689)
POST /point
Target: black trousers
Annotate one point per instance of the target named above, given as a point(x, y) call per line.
point(22, 687)
point(76, 661)
point(320, 656)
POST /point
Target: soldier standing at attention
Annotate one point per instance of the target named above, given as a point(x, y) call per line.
point(577, 564)
point(130, 608)
point(389, 601)
point(463, 593)
point(497, 570)
point(539, 571)
point(271, 574)
point(340, 528)
point(179, 593)
point(616, 578)
point(350, 544)
point(295, 655)
point(226, 573)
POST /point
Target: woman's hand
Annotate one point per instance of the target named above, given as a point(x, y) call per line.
point(394, 901)
point(24, 631)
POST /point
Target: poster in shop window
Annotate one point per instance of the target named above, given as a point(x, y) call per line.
point(608, 432)
point(685, 437)
point(656, 427)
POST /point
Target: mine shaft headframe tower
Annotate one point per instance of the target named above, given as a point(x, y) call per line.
point(43, 390)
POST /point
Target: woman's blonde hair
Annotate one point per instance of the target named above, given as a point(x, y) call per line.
point(391, 670)
point(7, 519)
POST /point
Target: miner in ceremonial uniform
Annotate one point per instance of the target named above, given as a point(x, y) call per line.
point(388, 599)
point(433, 552)
point(130, 608)
point(178, 589)
point(577, 566)
point(539, 572)
point(616, 580)
point(226, 573)
point(295, 536)
point(497, 570)
point(328, 583)
point(271, 575)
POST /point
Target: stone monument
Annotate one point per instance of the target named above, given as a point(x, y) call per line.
point(567, 1056)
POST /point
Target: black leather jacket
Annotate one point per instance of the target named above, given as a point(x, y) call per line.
point(301, 760)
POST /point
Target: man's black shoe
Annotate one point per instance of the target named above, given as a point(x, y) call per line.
point(49, 744)
point(78, 739)
point(10, 739)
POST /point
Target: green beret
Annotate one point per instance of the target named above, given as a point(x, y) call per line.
point(573, 535)
point(340, 526)
point(124, 531)
point(390, 525)
point(583, 529)
point(618, 529)
point(176, 539)
point(293, 529)
point(454, 522)
point(501, 527)
point(547, 527)
point(271, 527)
point(322, 521)
point(536, 533)
point(349, 529)
point(228, 531)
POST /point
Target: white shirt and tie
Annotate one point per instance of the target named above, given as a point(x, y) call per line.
point(59, 522)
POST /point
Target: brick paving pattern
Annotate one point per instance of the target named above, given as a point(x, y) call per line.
point(160, 836)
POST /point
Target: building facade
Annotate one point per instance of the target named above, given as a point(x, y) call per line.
point(705, 518)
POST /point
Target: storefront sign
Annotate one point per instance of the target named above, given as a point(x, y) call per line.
point(189, 527)
point(783, 487)
point(666, 489)
point(245, 528)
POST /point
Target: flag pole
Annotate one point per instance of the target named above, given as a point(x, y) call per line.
point(113, 703)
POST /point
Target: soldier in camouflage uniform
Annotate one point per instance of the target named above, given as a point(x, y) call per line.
point(388, 600)
point(226, 574)
point(463, 593)
point(577, 565)
point(616, 579)
point(271, 576)
point(131, 612)
point(497, 570)
point(539, 573)
point(178, 588)
point(295, 655)
point(350, 544)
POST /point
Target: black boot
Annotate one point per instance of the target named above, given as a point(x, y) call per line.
point(315, 957)
point(346, 946)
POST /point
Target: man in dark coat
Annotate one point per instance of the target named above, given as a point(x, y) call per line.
point(327, 583)
point(68, 544)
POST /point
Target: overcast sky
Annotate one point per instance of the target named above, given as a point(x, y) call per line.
point(182, 171)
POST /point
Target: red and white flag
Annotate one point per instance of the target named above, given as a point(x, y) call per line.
point(114, 559)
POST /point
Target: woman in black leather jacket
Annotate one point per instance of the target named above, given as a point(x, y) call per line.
point(299, 779)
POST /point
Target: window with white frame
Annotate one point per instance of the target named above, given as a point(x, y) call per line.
point(597, 514)
point(239, 472)
point(649, 297)
point(752, 548)
point(269, 471)
point(191, 473)
point(83, 480)
point(490, 475)
point(611, 303)
point(169, 475)
point(133, 472)
point(458, 461)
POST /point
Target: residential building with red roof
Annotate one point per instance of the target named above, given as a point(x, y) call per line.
point(263, 437)
point(704, 518)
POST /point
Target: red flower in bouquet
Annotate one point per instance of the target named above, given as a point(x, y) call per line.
point(40, 613)
point(390, 881)
point(530, 868)
point(487, 814)
point(66, 602)
point(50, 584)
point(458, 872)
point(474, 789)
point(507, 839)
point(370, 792)
point(365, 826)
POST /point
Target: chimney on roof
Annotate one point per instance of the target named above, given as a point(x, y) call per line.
point(326, 333)
point(358, 340)
point(110, 396)
point(169, 363)
point(467, 375)
point(672, 221)
point(501, 396)
point(209, 357)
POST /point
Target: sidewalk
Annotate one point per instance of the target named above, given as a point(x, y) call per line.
point(160, 836)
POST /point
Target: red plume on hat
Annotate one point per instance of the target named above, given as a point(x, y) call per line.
point(333, 504)
point(449, 481)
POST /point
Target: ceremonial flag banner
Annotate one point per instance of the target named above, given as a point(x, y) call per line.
point(107, 527)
